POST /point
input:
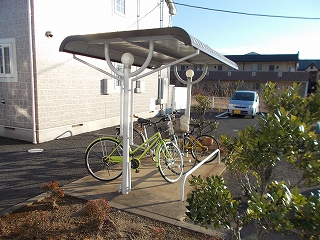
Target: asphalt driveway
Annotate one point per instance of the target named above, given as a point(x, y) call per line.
point(23, 173)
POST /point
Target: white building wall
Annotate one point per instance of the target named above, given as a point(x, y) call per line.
point(68, 93)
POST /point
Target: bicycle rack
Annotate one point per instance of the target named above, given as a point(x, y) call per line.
point(195, 168)
point(155, 49)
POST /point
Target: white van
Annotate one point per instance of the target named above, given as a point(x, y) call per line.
point(244, 103)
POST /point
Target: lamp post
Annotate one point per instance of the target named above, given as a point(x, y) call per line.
point(189, 82)
point(190, 74)
point(127, 59)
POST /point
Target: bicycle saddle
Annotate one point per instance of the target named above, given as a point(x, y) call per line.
point(195, 125)
point(143, 121)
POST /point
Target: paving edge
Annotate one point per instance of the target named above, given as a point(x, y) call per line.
point(23, 204)
point(178, 223)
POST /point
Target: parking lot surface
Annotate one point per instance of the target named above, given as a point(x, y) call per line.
point(23, 173)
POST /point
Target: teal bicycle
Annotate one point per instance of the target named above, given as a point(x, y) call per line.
point(104, 157)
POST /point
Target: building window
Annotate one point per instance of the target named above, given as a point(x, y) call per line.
point(120, 6)
point(259, 68)
point(219, 67)
point(199, 67)
point(117, 82)
point(184, 67)
point(8, 63)
point(256, 67)
point(271, 68)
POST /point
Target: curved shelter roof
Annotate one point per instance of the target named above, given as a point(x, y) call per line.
point(170, 44)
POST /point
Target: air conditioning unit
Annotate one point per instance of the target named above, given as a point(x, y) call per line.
point(160, 101)
point(107, 86)
point(140, 87)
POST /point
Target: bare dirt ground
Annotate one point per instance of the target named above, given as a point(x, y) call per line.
point(69, 221)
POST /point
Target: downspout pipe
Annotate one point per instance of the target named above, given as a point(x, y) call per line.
point(172, 8)
point(32, 81)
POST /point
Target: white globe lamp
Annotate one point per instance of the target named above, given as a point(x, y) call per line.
point(127, 59)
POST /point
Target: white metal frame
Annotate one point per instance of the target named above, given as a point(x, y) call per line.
point(126, 115)
point(183, 182)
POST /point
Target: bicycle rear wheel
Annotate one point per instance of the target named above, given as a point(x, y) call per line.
point(206, 145)
point(104, 159)
point(170, 162)
point(137, 140)
point(189, 152)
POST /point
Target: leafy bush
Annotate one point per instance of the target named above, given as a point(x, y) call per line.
point(282, 135)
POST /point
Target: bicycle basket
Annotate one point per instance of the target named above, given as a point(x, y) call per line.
point(166, 129)
point(181, 125)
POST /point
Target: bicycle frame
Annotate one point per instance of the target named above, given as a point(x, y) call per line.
point(149, 143)
point(198, 143)
point(154, 140)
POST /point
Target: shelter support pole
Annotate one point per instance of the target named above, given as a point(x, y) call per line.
point(127, 59)
point(127, 108)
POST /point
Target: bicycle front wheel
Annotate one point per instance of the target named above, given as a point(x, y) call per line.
point(104, 159)
point(170, 162)
point(206, 145)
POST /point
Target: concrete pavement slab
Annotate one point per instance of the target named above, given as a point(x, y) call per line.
point(151, 195)
point(150, 192)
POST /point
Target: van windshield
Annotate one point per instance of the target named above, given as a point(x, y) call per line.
point(244, 96)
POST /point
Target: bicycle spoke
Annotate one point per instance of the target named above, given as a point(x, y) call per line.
point(170, 162)
point(188, 151)
point(103, 161)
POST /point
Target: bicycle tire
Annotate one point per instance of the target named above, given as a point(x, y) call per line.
point(96, 159)
point(170, 162)
point(188, 150)
point(206, 145)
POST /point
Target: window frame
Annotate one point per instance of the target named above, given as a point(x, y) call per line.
point(271, 68)
point(117, 83)
point(11, 45)
point(118, 3)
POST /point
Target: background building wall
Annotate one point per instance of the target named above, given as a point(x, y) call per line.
point(15, 114)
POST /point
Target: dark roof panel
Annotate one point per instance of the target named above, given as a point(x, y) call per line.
point(304, 64)
point(264, 58)
point(170, 44)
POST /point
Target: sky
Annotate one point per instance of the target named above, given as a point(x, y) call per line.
point(237, 34)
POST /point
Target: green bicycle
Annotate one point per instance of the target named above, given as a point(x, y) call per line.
point(104, 157)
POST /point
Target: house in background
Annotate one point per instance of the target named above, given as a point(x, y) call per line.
point(254, 70)
point(313, 68)
point(46, 94)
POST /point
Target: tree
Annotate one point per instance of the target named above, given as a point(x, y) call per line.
point(202, 105)
point(282, 136)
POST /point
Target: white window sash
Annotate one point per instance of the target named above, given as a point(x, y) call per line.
point(8, 68)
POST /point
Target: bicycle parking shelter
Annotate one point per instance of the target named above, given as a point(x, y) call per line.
point(153, 49)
